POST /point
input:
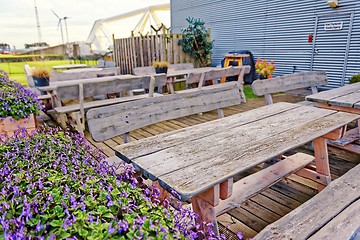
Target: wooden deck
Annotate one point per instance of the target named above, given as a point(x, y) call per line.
point(253, 215)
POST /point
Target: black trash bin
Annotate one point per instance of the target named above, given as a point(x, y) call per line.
point(248, 78)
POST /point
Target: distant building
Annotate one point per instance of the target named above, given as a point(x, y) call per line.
point(298, 35)
point(76, 49)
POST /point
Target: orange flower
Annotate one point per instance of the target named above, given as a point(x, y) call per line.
point(264, 68)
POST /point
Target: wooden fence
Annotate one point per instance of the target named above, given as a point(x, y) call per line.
point(142, 51)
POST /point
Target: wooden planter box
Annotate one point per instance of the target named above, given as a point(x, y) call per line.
point(9, 125)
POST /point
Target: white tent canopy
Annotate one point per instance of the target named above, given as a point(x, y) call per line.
point(138, 22)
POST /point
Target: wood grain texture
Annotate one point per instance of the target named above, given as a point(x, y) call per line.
point(325, 96)
point(253, 184)
point(55, 77)
point(188, 169)
point(113, 120)
point(345, 225)
point(100, 103)
point(167, 140)
point(314, 214)
point(289, 82)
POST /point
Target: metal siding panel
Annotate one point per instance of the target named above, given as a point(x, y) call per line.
point(276, 30)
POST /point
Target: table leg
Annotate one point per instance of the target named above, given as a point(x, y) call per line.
point(204, 205)
point(321, 159)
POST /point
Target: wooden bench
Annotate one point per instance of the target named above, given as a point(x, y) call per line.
point(288, 82)
point(107, 122)
point(334, 213)
point(90, 89)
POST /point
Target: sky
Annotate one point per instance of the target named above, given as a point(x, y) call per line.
point(18, 21)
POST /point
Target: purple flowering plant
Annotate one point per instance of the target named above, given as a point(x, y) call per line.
point(54, 185)
point(15, 100)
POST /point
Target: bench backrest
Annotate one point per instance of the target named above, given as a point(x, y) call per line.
point(288, 82)
point(83, 75)
point(110, 121)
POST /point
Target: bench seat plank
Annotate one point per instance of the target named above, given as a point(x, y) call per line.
point(343, 226)
point(187, 159)
point(248, 186)
point(100, 103)
point(314, 214)
point(121, 118)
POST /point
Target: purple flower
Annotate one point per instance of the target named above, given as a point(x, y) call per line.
point(39, 226)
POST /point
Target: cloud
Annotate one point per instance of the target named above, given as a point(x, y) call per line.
point(18, 25)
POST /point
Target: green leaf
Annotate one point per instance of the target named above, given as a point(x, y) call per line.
point(108, 215)
point(83, 233)
point(56, 223)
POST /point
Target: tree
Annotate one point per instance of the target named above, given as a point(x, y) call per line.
point(195, 41)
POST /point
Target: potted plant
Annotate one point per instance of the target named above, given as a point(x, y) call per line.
point(18, 106)
point(264, 69)
point(41, 76)
point(161, 67)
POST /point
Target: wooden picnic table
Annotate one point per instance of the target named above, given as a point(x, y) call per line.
point(199, 162)
point(69, 66)
point(344, 99)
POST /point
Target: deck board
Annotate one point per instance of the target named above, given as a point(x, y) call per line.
point(262, 209)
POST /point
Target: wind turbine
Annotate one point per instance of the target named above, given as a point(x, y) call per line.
point(61, 30)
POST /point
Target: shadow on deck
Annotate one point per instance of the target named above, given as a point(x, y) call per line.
point(264, 208)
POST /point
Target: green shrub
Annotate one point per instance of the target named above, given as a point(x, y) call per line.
point(355, 79)
point(54, 185)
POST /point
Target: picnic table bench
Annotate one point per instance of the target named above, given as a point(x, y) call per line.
point(80, 90)
point(334, 213)
point(199, 163)
point(266, 87)
point(107, 122)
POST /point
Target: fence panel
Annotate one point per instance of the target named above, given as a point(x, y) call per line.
point(142, 51)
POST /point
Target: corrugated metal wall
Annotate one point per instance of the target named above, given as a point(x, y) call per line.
point(278, 30)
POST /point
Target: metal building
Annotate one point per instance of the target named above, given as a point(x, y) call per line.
point(299, 35)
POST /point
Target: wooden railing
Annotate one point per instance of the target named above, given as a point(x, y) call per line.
point(142, 51)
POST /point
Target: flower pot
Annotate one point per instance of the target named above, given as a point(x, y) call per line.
point(41, 82)
point(262, 77)
point(9, 125)
point(161, 70)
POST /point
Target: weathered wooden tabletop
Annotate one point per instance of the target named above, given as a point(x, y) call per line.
point(194, 159)
point(347, 96)
point(69, 66)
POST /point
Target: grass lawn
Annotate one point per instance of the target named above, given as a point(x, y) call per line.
point(16, 69)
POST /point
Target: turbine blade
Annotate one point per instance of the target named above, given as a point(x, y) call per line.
point(59, 24)
point(55, 14)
